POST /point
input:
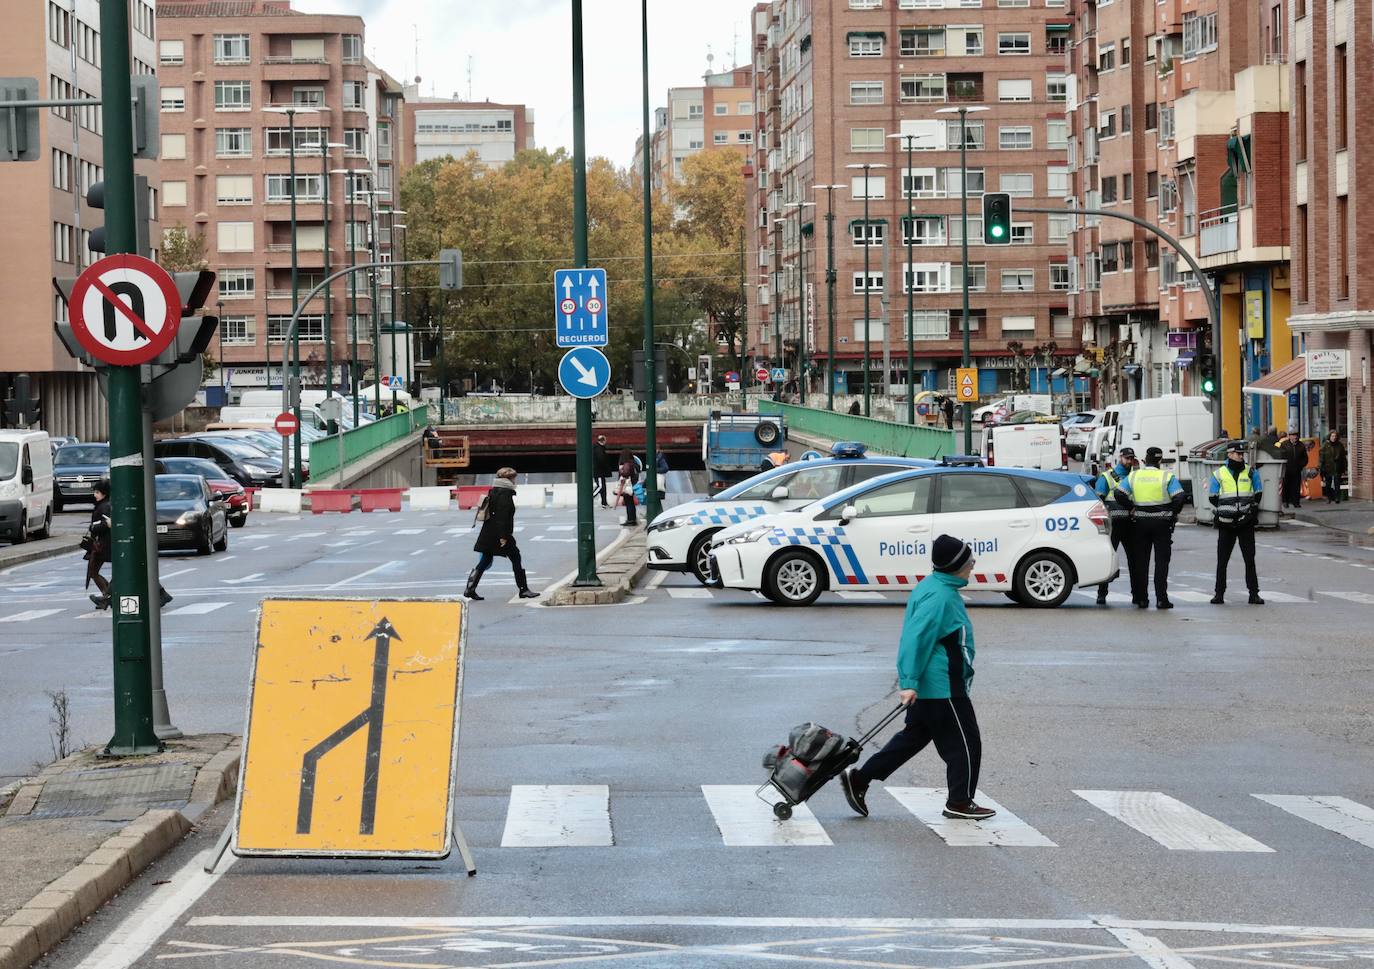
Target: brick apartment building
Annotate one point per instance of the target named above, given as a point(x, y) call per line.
point(719, 113)
point(45, 220)
point(230, 69)
point(1179, 116)
point(833, 82)
point(436, 128)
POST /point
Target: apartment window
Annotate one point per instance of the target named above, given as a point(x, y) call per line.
point(1342, 247)
point(923, 87)
point(1125, 51)
point(930, 325)
point(923, 42)
point(1300, 108)
point(1013, 43)
point(1341, 69)
point(865, 45)
point(58, 89)
point(1151, 253)
point(975, 230)
point(875, 282)
point(1108, 189)
point(1018, 324)
point(866, 139)
point(1014, 90)
point(356, 141)
point(59, 25)
point(1018, 280)
point(1014, 138)
point(876, 234)
point(744, 107)
point(921, 183)
point(174, 99)
point(233, 96)
point(236, 284)
point(1017, 184)
point(721, 108)
point(1106, 58)
point(1199, 33)
point(1059, 277)
point(1059, 227)
point(1151, 116)
point(1057, 87)
point(1057, 135)
point(1127, 187)
point(865, 4)
point(1056, 42)
point(88, 44)
point(231, 49)
point(354, 95)
point(171, 53)
point(234, 189)
point(1022, 234)
point(695, 112)
point(1300, 276)
point(61, 170)
point(927, 277)
point(277, 141)
point(968, 40)
point(693, 145)
point(973, 135)
point(720, 138)
point(1106, 125)
point(355, 235)
point(173, 147)
point(924, 230)
point(1058, 186)
point(310, 328)
point(977, 283)
point(1152, 185)
point(90, 173)
point(233, 142)
point(865, 92)
point(877, 186)
point(174, 193)
point(1128, 254)
point(238, 330)
point(746, 137)
point(873, 328)
point(234, 236)
point(1013, 3)
point(307, 97)
point(976, 181)
point(62, 236)
point(309, 188)
point(1109, 261)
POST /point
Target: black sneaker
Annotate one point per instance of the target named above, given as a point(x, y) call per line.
point(1142, 604)
point(528, 594)
point(1219, 599)
point(1255, 599)
point(1164, 604)
point(856, 796)
point(969, 811)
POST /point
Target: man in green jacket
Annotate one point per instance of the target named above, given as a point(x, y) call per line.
point(934, 673)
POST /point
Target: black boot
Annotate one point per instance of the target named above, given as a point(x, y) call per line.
point(164, 597)
point(101, 602)
point(471, 591)
point(523, 585)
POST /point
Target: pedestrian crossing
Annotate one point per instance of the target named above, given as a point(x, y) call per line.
point(583, 815)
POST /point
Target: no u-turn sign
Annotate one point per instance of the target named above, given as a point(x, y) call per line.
point(125, 310)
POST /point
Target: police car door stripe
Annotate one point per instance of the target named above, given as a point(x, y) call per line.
point(858, 577)
point(558, 816)
point(1338, 814)
point(1170, 822)
point(745, 821)
point(1005, 830)
point(834, 561)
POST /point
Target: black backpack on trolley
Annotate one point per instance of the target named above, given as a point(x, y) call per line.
point(811, 758)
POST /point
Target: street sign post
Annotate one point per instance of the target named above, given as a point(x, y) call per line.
point(581, 315)
point(394, 382)
point(966, 385)
point(286, 424)
point(584, 372)
point(125, 310)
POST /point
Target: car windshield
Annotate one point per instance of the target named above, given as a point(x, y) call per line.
point(198, 466)
point(177, 489)
point(9, 460)
point(75, 454)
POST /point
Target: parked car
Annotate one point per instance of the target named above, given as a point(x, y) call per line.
point(26, 488)
point(76, 469)
point(1078, 429)
point(61, 441)
point(996, 410)
point(190, 515)
point(235, 498)
point(243, 462)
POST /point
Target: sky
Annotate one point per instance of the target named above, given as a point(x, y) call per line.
point(520, 53)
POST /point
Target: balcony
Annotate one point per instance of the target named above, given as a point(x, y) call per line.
point(287, 68)
point(1220, 231)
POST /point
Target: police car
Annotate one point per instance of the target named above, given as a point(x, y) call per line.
point(679, 537)
point(1036, 535)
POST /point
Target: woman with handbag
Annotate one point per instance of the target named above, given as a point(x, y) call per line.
point(1333, 465)
point(625, 490)
point(96, 542)
point(497, 537)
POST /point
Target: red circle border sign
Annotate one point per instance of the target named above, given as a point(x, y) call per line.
point(157, 343)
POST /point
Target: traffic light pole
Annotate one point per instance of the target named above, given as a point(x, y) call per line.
point(1208, 292)
point(586, 524)
point(129, 592)
point(651, 505)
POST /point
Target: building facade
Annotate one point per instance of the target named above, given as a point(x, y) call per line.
point(719, 113)
point(835, 82)
point(438, 128)
point(45, 222)
point(236, 78)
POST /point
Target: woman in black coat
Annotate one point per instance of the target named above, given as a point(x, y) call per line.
point(97, 544)
point(497, 536)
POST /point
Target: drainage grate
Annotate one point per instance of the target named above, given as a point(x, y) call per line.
point(115, 792)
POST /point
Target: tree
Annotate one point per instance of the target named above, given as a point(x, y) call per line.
point(182, 250)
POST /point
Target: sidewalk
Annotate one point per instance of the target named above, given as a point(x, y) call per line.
point(75, 834)
point(1355, 517)
point(42, 549)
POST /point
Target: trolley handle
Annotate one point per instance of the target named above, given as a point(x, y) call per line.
point(863, 741)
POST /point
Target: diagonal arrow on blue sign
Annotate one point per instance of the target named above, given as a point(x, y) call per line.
point(580, 308)
point(584, 372)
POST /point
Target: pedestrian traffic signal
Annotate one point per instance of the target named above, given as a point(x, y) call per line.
point(95, 198)
point(23, 409)
point(1207, 367)
point(997, 219)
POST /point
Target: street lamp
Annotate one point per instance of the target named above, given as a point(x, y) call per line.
point(405, 299)
point(830, 288)
point(391, 284)
point(351, 237)
point(219, 315)
point(324, 148)
point(868, 240)
point(373, 198)
point(964, 110)
point(907, 280)
point(801, 208)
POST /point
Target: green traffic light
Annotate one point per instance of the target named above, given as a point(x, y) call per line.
point(1209, 386)
point(997, 231)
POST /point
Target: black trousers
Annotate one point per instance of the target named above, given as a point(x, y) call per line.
point(1150, 536)
point(601, 489)
point(509, 551)
point(951, 724)
point(1121, 535)
point(1227, 539)
point(1292, 487)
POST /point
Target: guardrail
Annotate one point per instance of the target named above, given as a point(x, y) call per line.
point(330, 454)
point(885, 436)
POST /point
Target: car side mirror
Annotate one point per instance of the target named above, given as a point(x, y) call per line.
point(26, 476)
point(779, 493)
point(847, 514)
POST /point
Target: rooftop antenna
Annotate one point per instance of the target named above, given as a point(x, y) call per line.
point(710, 59)
point(416, 28)
point(734, 48)
point(469, 77)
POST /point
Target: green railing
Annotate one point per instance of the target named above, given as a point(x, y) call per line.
point(329, 454)
point(884, 436)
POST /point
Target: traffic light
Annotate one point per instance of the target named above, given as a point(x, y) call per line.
point(450, 269)
point(660, 374)
point(20, 136)
point(1207, 367)
point(95, 198)
point(22, 409)
point(996, 219)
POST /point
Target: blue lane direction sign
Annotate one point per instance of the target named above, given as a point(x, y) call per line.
point(579, 302)
point(584, 372)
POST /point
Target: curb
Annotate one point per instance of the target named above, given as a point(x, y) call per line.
point(67, 902)
point(635, 563)
point(1317, 520)
point(60, 546)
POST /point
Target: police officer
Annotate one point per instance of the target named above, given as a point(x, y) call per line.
point(1154, 498)
point(1234, 492)
point(1120, 517)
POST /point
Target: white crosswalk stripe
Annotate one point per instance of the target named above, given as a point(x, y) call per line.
point(858, 595)
point(746, 821)
point(410, 531)
point(1363, 598)
point(30, 616)
point(196, 609)
point(1338, 814)
point(1188, 595)
point(1005, 830)
point(1170, 822)
point(1284, 597)
point(689, 593)
point(558, 816)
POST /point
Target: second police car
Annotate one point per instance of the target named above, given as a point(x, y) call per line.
point(680, 536)
point(1036, 535)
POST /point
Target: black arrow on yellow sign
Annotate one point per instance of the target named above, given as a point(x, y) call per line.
point(371, 718)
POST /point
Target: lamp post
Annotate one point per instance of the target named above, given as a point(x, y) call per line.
point(963, 111)
point(867, 237)
point(351, 237)
point(405, 300)
point(324, 148)
point(651, 503)
point(391, 284)
point(907, 282)
point(219, 315)
point(373, 197)
point(801, 208)
point(830, 289)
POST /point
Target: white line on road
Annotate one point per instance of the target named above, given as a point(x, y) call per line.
point(561, 528)
point(558, 816)
point(856, 595)
point(228, 558)
point(410, 531)
point(1188, 595)
point(418, 551)
point(745, 821)
point(196, 609)
point(656, 581)
point(1004, 830)
point(31, 615)
point(1338, 814)
point(1170, 822)
point(689, 593)
point(361, 575)
point(259, 548)
point(1363, 598)
point(1284, 597)
point(173, 575)
point(545, 538)
point(1150, 950)
point(251, 577)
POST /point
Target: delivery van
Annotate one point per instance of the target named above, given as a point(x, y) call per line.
point(1032, 445)
point(1173, 423)
point(264, 416)
point(25, 485)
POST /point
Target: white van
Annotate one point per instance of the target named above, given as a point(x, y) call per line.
point(1040, 403)
point(264, 416)
point(1039, 446)
point(1173, 423)
point(25, 485)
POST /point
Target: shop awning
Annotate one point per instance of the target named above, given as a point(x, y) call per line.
point(1281, 381)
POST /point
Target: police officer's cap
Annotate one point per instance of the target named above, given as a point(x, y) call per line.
point(1127, 452)
point(1235, 446)
point(1153, 452)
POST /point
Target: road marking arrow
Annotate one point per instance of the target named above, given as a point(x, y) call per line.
point(567, 287)
point(585, 375)
point(593, 285)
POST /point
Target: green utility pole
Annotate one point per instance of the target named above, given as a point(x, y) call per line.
point(963, 258)
point(830, 292)
point(129, 598)
point(651, 505)
point(391, 284)
point(328, 293)
point(909, 282)
point(295, 343)
point(376, 319)
point(586, 524)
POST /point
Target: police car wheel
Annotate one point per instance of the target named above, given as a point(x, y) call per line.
point(1043, 580)
point(794, 578)
point(699, 557)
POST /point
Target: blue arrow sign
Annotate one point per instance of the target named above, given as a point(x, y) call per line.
point(584, 372)
point(579, 304)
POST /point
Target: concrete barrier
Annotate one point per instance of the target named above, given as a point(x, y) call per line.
point(470, 496)
point(429, 499)
point(285, 500)
point(564, 495)
point(531, 496)
point(323, 501)
point(380, 499)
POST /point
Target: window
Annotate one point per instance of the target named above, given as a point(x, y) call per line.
point(865, 45)
point(1125, 119)
point(231, 49)
point(61, 170)
point(746, 137)
point(930, 325)
point(1108, 189)
point(921, 183)
point(141, 17)
point(1058, 186)
point(309, 188)
point(1056, 42)
point(1020, 184)
point(865, 92)
point(1022, 234)
point(234, 189)
point(1060, 225)
point(923, 42)
point(173, 193)
point(234, 236)
point(875, 329)
point(973, 135)
point(1151, 116)
point(1057, 87)
point(1106, 125)
point(1110, 261)
point(928, 277)
point(352, 49)
point(1038, 491)
point(1127, 187)
point(875, 282)
point(174, 146)
point(277, 141)
point(1014, 90)
point(233, 142)
point(964, 493)
point(238, 330)
point(803, 483)
point(1014, 139)
point(876, 234)
point(1059, 276)
point(1151, 253)
point(721, 108)
point(967, 40)
point(1341, 69)
point(909, 497)
point(355, 235)
point(744, 107)
point(59, 25)
point(58, 89)
point(1018, 280)
point(174, 99)
point(1199, 33)
point(924, 230)
point(1152, 185)
point(307, 97)
point(354, 95)
point(1128, 254)
point(1343, 247)
point(1013, 3)
point(1300, 109)
point(975, 230)
point(88, 44)
point(866, 139)
point(233, 96)
point(236, 284)
point(977, 280)
point(310, 329)
point(695, 112)
point(877, 186)
point(1013, 43)
point(171, 53)
point(1057, 134)
point(923, 87)
point(1125, 51)
point(720, 138)
point(976, 181)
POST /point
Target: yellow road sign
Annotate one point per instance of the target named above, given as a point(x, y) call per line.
point(966, 384)
point(352, 739)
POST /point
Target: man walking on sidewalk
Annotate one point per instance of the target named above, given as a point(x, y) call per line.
point(1119, 517)
point(934, 673)
point(1234, 491)
point(1154, 498)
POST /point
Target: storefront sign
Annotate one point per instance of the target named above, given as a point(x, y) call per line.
point(1181, 339)
point(1328, 364)
point(1254, 314)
